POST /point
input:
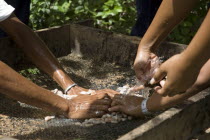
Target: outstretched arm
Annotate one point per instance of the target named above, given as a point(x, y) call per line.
point(18, 87)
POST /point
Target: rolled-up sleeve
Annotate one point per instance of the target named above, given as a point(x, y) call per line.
point(5, 10)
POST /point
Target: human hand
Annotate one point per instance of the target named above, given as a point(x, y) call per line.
point(145, 64)
point(76, 90)
point(88, 106)
point(79, 91)
point(181, 74)
point(127, 104)
point(110, 92)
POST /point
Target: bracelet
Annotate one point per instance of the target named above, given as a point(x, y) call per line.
point(69, 88)
point(144, 107)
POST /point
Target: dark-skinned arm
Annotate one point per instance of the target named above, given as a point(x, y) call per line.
point(39, 54)
point(35, 49)
point(18, 87)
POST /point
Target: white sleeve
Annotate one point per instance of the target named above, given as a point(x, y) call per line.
point(5, 10)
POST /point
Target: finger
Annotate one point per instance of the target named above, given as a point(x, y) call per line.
point(162, 82)
point(165, 90)
point(111, 91)
point(173, 93)
point(137, 88)
point(94, 114)
point(112, 94)
point(99, 113)
point(117, 108)
point(102, 95)
point(101, 91)
point(152, 56)
point(157, 88)
point(116, 102)
point(119, 96)
point(88, 114)
point(159, 75)
point(99, 107)
point(139, 75)
point(181, 92)
point(103, 102)
point(140, 70)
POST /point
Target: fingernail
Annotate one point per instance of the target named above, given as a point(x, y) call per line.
point(110, 109)
point(152, 81)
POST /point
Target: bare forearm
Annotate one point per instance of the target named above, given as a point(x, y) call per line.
point(198, 51)
point(16, 86)
point(35, 49)
point(170, 13)
point(158, 102)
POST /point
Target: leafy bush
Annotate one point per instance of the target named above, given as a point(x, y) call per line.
point(114, 15)
point(26, 72)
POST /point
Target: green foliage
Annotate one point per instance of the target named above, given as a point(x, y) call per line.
point(185, 31)
point(26, 72)
point(114, 15)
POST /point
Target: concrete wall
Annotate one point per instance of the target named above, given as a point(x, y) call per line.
point(108, 46)
point(89, 42)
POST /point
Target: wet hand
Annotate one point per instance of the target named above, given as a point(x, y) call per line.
point(78, 91)
point(110, 92)
point(145, 64)
point(181, 74)
point(89, 106)
point(127, 104)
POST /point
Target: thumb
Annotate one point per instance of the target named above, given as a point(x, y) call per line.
point(102, 95)
point(117, 108)
point(158, 76)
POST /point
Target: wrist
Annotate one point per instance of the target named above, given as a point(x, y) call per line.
point(64, 108)
point(148, 46)
point(151, 105)
point(70, 87)
point(144, 108)
point(62, 79)
point(144, 48)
